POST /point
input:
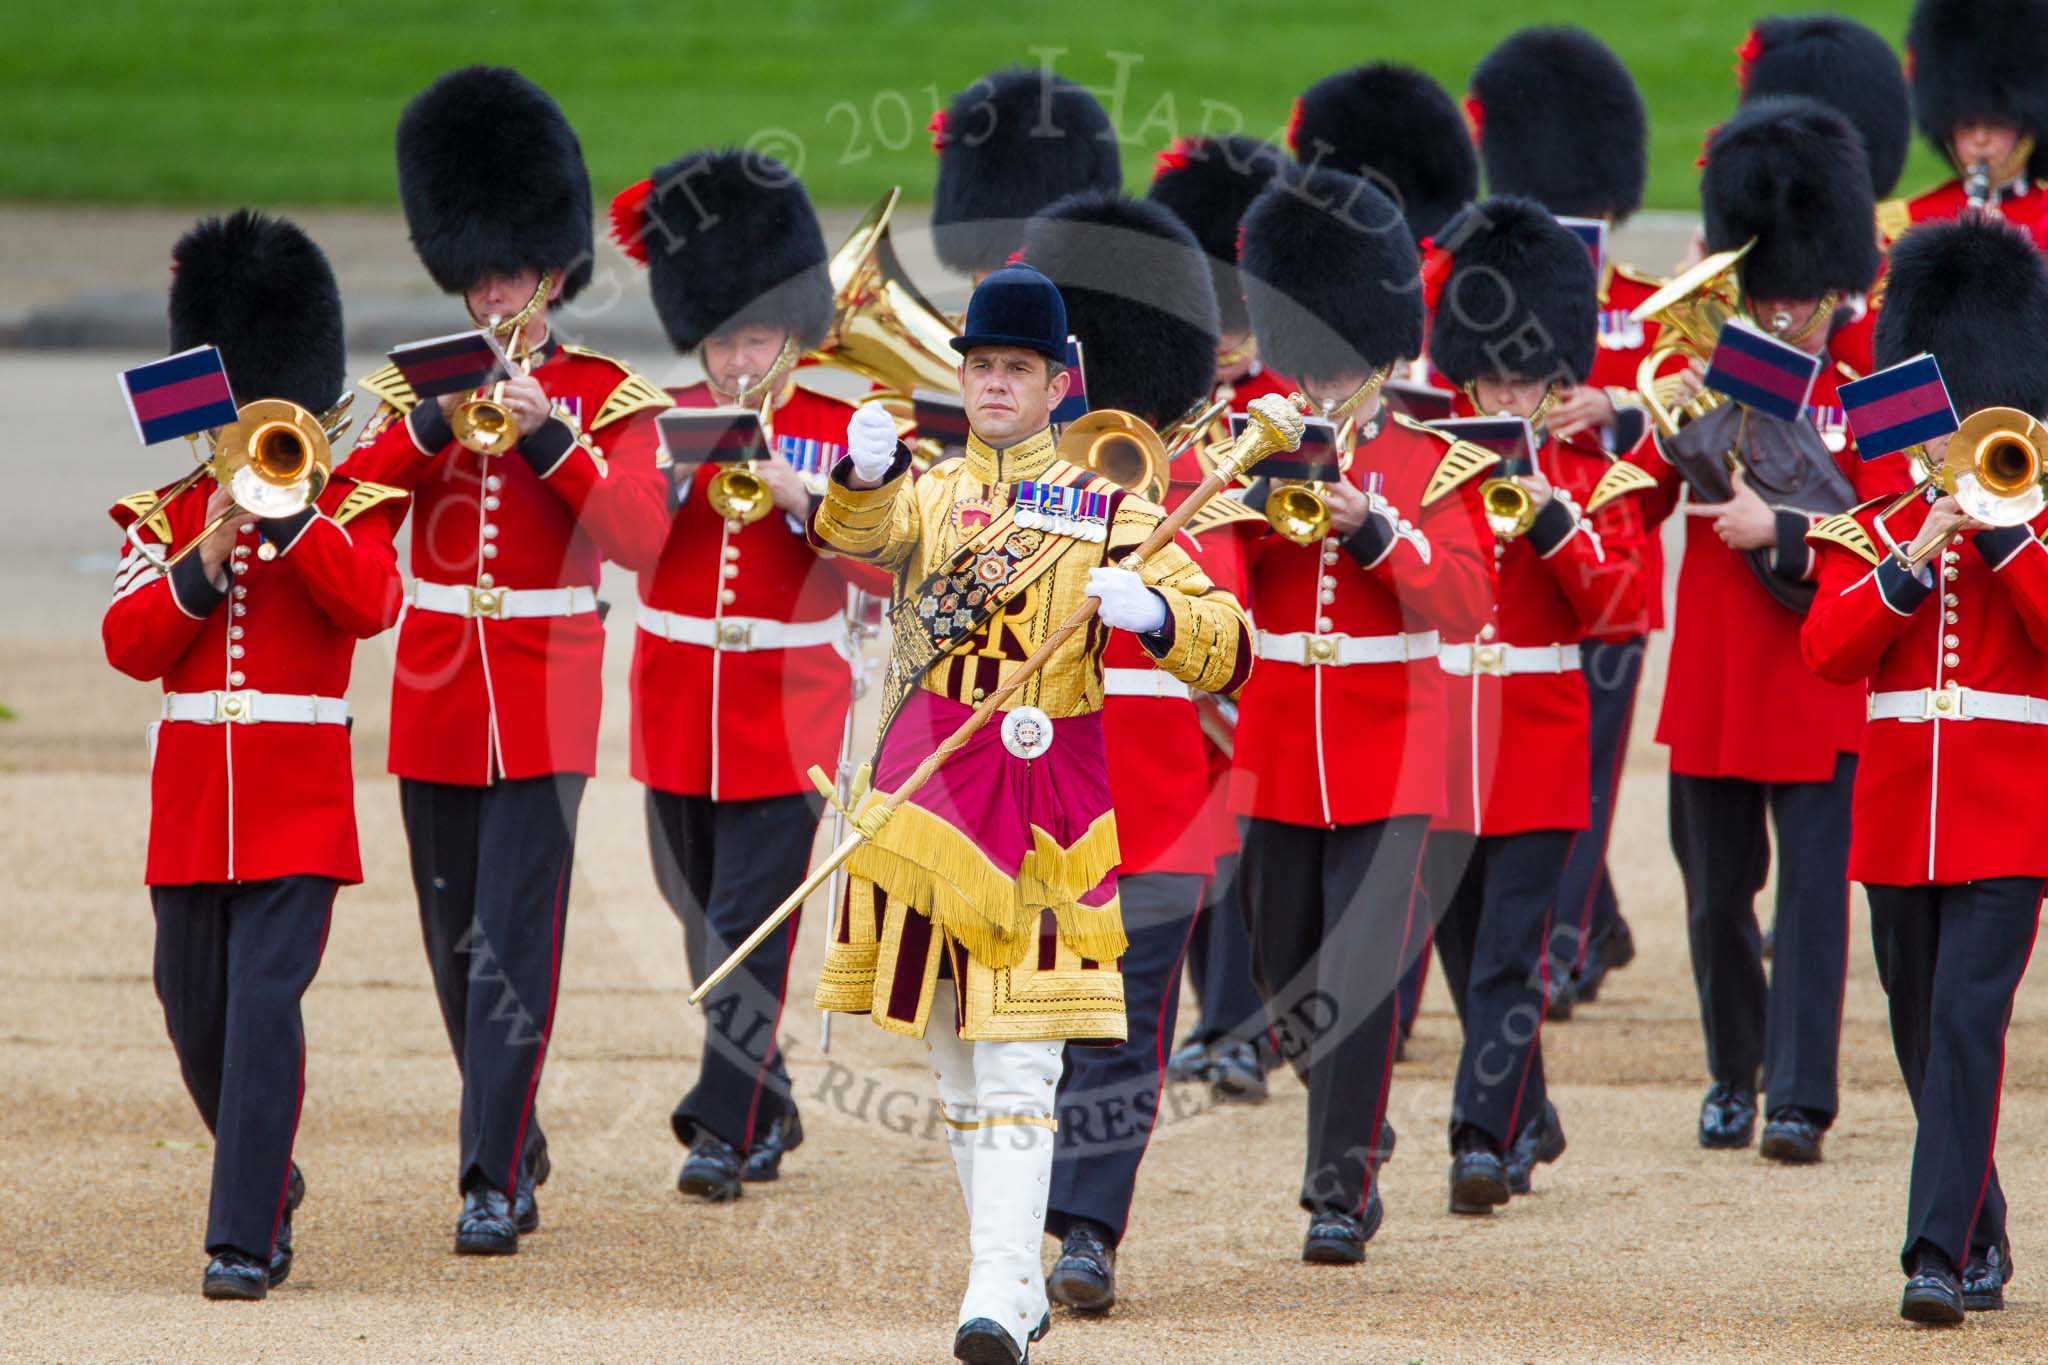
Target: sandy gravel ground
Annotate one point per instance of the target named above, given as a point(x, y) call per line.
point(1638, 1246)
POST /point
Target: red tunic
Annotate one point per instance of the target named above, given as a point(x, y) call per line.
point(1739, 699)
point(1516, 745)
point(1939, 801)
point(1257, 382)
point(738, 724)
point(247, 802)
point(1319, 744)
point(477, 698)
point(2028, 208)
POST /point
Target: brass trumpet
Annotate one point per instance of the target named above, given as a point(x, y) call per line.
point(482, 422)
point(1295, 508)
point(1688, 312)
point(738, 492)
point(273, 460)
point(1510, 511)
point(1993, 469)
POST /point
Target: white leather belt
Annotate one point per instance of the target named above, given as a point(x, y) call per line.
point(1503, 660)
point(1340, 651)
point(1143, 682)
point(740, 633)
point(254, 708)
point(502, 604)
point(1958, 703)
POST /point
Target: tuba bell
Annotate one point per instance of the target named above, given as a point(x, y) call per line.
point(1688, 312)
point(1119, 447)
point(482, 422)
point(273, 460)
point(1993, 467)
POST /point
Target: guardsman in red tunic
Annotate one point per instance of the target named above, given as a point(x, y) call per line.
point(741, 681)
point(1339, 754)
point(1514, 325)
point(1948, 838)
point(495, 692)
point(1753, 732)
point(1209, 182)
point(1558, 119)
point(1979, 75)
point(252, 800)
point(1008, 145)
point(1139, 296)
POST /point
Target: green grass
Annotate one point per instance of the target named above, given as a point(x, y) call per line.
point(271, 102)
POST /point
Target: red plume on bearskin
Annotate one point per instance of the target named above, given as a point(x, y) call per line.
point(937, 128)
point(1745, 58)
point(1436, 272)
point(1475, 117)
point(629, 219)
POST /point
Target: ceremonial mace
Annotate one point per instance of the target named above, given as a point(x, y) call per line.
point(1274, 425)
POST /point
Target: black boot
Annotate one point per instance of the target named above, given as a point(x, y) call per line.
point(1727, 1117)
point(1793, 1137)
point(764, 1158)
point(1934, 1294)
point(281, 1249)
point(231, 1275)
point(1235, 1074)
point(526, 1208)
point(1338, 1238)
point(712, 1172)
point(486, 1227)
point(1479, 1177)
point(1084, 1277)
point(982, 1341)
point(1985, 1277)
point(1541, 1143)
point(1188, 1064)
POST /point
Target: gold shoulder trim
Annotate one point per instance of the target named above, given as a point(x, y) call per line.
point(1621, 479)
point(1844, 530)
point(1846, 370)
point(388, 386)
point(1462, 463)
point(138, 503)
point(1636, 276)
point(362, 498)
point(1221, 511)
point(633, 394)
point(1402, 419)
point(1893, 218)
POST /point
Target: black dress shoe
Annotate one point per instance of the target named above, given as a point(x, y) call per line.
point(1188, 1064)
point(1337, 1238)
point(1541, 1143)
point(1609, 953)
point(1383, 1149)
point(1933, 1293)
point(1558, 998)
point(712, 1172)
point(764, 1158)
point(1235, 1075)
point(486, 1227)
point(982, 1341)
point(526, 1207)
point(281, 1249)
point(1479, 1178)
point(1084, 1277)
point(1727, 1117)
point(231, 1275)
point(1792, 1137)
point(1985, 1277)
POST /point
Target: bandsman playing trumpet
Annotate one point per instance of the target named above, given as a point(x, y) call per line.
point(1980, 96)
point(1948, 839)
point(496, 687)
point(1514, 329)
point(252, 632)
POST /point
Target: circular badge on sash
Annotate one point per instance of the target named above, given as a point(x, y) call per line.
point(1027, 732)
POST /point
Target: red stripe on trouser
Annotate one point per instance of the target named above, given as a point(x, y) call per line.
point(1379, 1118)
point(284, 1193)
point(1997, 1098)
point(1507, 1139)
point(546, 1030)
point(761, 1070)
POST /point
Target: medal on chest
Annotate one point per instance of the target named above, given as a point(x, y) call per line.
point(1064, 510)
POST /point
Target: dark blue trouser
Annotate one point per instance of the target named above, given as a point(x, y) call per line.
point(1951, 959)
point(723, 867)
point(1586, 907)
point(1109, 1096)
point(490, 866)
point(1220, 967)
point(233, 960)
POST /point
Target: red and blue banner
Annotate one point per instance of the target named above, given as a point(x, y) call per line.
point(1511, 438)
point(461, 363)
point(1074, 406)
point(180, 395)
point(1897, 408)
point(1761, 372)
point(694, 436)
point(1593, 233)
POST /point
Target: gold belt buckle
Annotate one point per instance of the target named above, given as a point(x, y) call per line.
point(733, 635)
point(1490, 659)
point(1942, 703)
point(233, 708)
point(487, 602)
point(1317, 650)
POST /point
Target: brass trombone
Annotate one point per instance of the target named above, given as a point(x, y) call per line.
point(1124, 448)
point(482, 422)
point(1689, 312)
point(273, 460)
point(1993, 468)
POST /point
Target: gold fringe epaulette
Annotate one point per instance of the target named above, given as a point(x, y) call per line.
point(1893, 218)
point(1221, 511)
point(362, 498)
point(1462, 463)
point(1846, 370)
point(634, 394)
point(388, 386)
point(1844, 530)
point(1636, 276)
point(138, 503)
point(1621, 479)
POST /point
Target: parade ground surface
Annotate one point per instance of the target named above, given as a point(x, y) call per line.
point(1637, 1246)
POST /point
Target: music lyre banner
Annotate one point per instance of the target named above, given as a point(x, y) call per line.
point(180, 395)
point(1511, 438)
point(1761, 372)
point(695, 436)
point(1897, 408)
point(940, 417)
point(459, 363)
point(1421, 402)
point(1316, 461)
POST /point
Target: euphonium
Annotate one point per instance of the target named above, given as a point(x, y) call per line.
point(483, 423)
point(1688, 312)
point(1120, 447)
point(1993, 468)
point(273, 460)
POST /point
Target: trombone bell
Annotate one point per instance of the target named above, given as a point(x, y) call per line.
point(1119, 447)
point(1995, 463)
point(273, 460)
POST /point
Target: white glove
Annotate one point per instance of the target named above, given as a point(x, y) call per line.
point(1127, 604)
point(871, 441)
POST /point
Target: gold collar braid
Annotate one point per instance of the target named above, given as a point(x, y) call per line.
point(1027, 459)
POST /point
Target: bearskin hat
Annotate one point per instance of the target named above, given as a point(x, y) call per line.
point(1008, 145)
point(729, 239)
point(1331, 277)
point(1518, 301)
point(492, 180)
point(1396, 128)
point(259, 289)
point(1974, 294)
point(1138, 296)
point(1842, 63)
point(1559, 120)
point(1208, 183)
point(1980, 60)
point(1790, 172)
